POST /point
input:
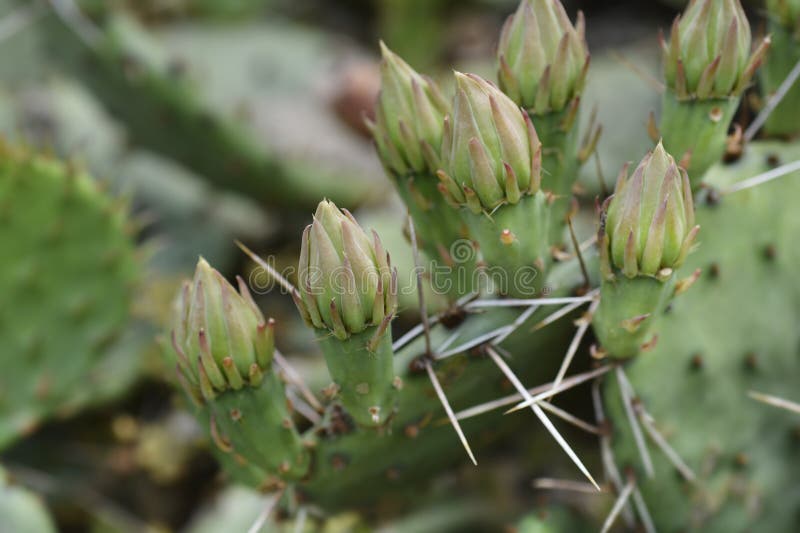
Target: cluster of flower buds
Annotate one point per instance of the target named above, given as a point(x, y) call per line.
point(409, 118)
point(491, 153)
point(647, 229)
point(543, 59)
point(348, 293)
point(708, 55)
point(224, 349)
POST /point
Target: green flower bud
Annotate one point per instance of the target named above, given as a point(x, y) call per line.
point(224, 349)
point(646, 232)
point(649, 227)
point(491, 153)
point(408, 118)
point(492, 166)
point(785, 12)
point(543, 58)
point(219, 335)
point(348, 292)
point(346, 282)
point(708, 55)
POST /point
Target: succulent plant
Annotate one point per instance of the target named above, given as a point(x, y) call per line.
point(375, 437)
point(543, 59)
point(647, 230)
point(223, 349)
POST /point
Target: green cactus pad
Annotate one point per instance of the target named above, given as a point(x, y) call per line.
point(67, 273)
point(727, 335)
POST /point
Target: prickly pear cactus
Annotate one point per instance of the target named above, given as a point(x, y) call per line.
point(67, 274)
point(682, 334)
point(734, 331)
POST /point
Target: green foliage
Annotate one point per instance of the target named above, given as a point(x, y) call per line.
point(68, 274)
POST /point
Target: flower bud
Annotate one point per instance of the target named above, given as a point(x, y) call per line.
point(649, 227)
point(491, 153)
point(543, 58)
point(346, 283)
point(708, 55)
point(224, 351)
point(219, 334)
point(348, 288)
point(408, 118)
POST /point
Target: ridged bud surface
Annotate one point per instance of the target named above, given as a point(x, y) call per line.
point(409, 118)
point(542, 57)
point(708, 55)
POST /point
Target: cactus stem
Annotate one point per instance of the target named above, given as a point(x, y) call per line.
point(506, 370)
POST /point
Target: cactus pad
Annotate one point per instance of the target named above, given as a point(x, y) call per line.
point(726, 336)
point(67, 271)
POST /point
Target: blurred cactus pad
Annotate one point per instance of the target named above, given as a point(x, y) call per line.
point(345, 266)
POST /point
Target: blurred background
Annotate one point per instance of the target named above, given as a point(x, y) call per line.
point(221, 120)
